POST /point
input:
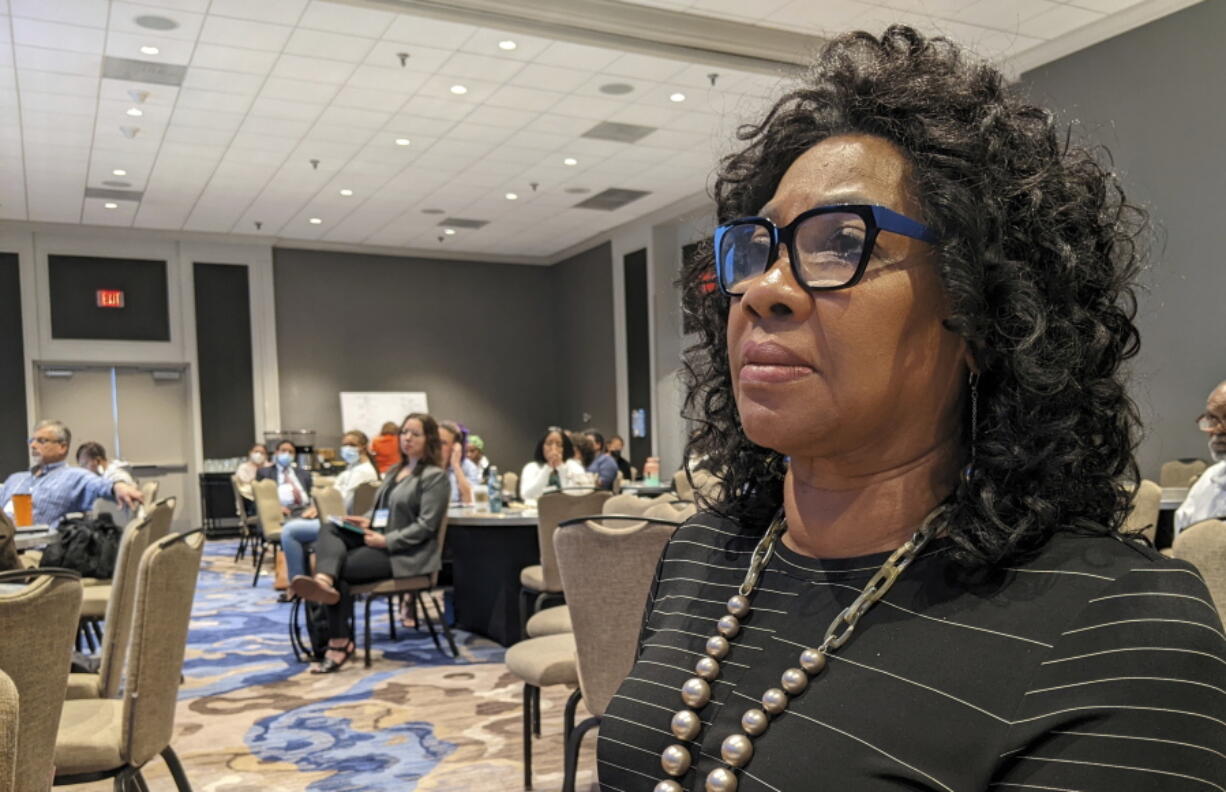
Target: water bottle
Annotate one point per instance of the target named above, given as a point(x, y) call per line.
point(495, 490)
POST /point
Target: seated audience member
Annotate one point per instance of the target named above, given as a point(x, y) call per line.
point(398, 538)
point(604, 466)
point(92, 457)
point(585, 452)
point(386, 447)
point(299, 532)
point(293, 483)
point(553, 466)
point(1206, 499)
point(257, 458)
point(476, 453)
point(616, 444)
point(462, 472)
point(56, 488)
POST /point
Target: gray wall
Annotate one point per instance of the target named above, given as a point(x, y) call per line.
point(583, 297)
point(487, 342)
point(1153, 96)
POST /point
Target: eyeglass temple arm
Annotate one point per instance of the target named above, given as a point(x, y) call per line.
point(889, 220)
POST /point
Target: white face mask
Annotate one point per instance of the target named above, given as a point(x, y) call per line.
point(257, 457)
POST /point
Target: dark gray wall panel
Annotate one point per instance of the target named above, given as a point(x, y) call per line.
point(223, 359)
point(583, 293)
point(14, 424)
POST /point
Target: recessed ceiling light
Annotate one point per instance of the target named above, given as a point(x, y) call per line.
point(148, 50)
point(314, 221)
point(677, 97)
point(346, 192)
point(135, 111)
point(512, 196)
point(119, 172)
point(449, 231)
point(570, 161)
point(403, 141)
point(459, 90)
point(507, 45)
point(111, 205)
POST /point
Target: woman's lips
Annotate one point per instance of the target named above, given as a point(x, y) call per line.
point(771, 362)
point(772, 373)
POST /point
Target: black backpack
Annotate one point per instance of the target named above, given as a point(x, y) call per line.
point(87, 545)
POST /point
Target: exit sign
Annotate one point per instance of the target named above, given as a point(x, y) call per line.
point(110, 298)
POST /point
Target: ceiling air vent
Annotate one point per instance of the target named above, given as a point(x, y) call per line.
point(462, 222)
point(610, 199)
point(114, 195)
point(131, 70)
point(620, 133)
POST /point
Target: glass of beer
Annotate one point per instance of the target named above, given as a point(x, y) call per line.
point(481, 498)
point(23, 510)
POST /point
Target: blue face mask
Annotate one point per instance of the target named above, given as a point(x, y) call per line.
point(350, 454)
point(284, 459)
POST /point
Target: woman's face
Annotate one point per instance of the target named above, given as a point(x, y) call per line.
point(866, 375)
point(413, 439)
point(446, 442)
point(553, 444)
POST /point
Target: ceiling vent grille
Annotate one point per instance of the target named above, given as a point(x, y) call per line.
point(610, 199)
point(462, 222)
point(620, 133)
point(132, 70)
point(114, 195)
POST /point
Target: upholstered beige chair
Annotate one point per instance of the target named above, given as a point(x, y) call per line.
point(510, 485)
point(115, 738)
point(682, 487)
point(328, 502)
point(38, 621)
point(418, 589)
point(540, 662)
point(707, 486)
point(550, 621)
point(246, 522)
point(607, 571)
point(148, 496)
point(1181, 472)
point(364, 497)
point(1204, 546)
point(9, 727)
point(115, 602)
point(268, 509)
point(1143, 516)
point(672, 512)
point(542, 579)
point(626, 503)
point(8, 546)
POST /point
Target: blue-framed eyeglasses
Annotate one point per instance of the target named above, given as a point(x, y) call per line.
point(829, 247)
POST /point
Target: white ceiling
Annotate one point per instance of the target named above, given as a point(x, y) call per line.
point(272, 84)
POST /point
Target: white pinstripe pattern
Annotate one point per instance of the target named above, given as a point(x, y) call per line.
point(1119, 767)
point(1140, 621)
point(1126, 679)
point(1135, 649)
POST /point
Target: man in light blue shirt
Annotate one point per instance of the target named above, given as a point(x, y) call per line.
point(57, 489)
point(462, 472)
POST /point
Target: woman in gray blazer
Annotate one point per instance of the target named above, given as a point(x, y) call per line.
point(398, 537)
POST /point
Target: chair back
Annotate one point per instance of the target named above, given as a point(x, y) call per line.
point(1181, 472)
point(136, 537)
point(618, 480)
point(682, 485)
point(626, 503)
point(8, 544)
point(268, 507)
point(165, 587)
point(1204, 546)
point(673, 512)
point(707, 486)
point(510, 484)
point(607, 571)
point(38, 623)
point(9, 726)
point(1143, 516)
point(552, 508)
point(438, 554)
point(328, 502)
point(149, 493)
point(240, 504)
point(160, 518)
point(364, 497)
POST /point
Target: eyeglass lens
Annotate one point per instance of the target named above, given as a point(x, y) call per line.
point(1209, 423)
point(828, 249)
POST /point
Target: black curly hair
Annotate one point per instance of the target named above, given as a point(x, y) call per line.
point(1038, 256)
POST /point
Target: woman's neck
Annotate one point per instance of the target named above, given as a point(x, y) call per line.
point(834, 515)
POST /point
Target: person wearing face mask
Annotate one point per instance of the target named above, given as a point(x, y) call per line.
point(257, 459)
point(361, 468)
point(92, 457)
point(294, 492)
point(1206, 500)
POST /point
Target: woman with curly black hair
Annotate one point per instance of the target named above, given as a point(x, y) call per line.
point(910, 381)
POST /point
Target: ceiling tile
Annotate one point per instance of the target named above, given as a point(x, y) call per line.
point(252, 139)
point(500, 117)
point(560, 125)
point(515, 96)
point(58, 36)
point(645, 115)
point(67, 84)
point(485, 41)
point(592, 88)
point(331, 154)
point(267, 107)
point(411, 124)
point(479, 133)
point(285, 12)
point(183, 156)
point(224, 81)
point(1056, 22)
point(540, 141)
point(127, 45)
point(337, 18)
point(210, 136)
point(646, 67)
point(550, 78)
point(215, 56)
point(298, 67)
point(465, 65)
point(1002, 14)
point(371, 99)
point(58, 61)
point(89, 13)
point(431, 32)
point(335, 46)
point(576, 56)
point(123, 20)
point(431, 107)
point(298, 90)
point(339, 133)
point(386, 54)
point(276, 127)
point(352, 116)
point(56, 103)
point(245, 33)
point(379, 77)
point(196, 99)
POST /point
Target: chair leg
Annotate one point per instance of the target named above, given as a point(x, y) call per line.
point(138, 781)
point(571, 767)
point(391, 616)
point(528, 735)
point(430, 626)
point(176, 769)
point(568, 715)
point(97, 628)
point(259, 563)
point(442, 620)
point(83, 629)
point(295, 632)
point(369, 600)
point(536, 711)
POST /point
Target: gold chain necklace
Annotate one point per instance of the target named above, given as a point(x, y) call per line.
point(737, 748)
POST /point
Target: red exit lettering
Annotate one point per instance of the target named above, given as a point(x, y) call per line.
point(110, 298)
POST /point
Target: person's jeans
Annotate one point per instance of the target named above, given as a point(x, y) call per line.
point(295, 535)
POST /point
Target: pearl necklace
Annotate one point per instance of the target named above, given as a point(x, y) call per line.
point(737, 749)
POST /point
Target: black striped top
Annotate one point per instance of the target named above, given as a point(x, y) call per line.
point(1098, 665)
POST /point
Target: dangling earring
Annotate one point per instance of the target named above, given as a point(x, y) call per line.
point(969, 470)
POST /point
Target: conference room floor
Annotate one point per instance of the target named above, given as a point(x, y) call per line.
point(251, 718)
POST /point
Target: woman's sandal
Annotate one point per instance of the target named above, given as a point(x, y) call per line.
point(313, 590)
point(330, 666)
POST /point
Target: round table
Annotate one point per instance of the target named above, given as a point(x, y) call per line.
point(487, 552)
